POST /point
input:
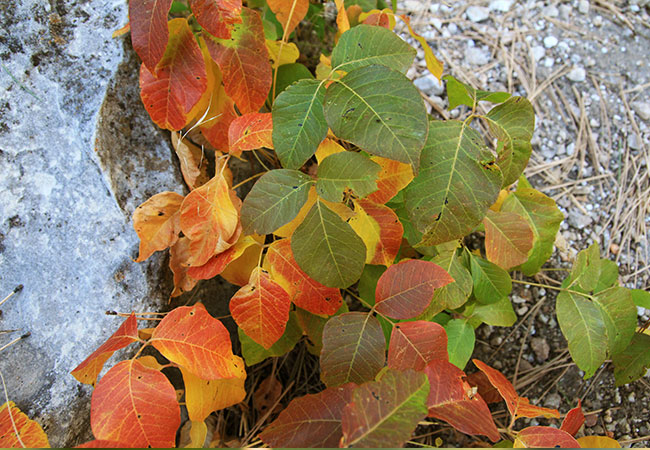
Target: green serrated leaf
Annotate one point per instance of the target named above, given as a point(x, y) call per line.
point(364, 45)
point(457, 183)
point(327, 248)
point(254, 353)
point(591, 273)
point(346, 170)
point(544, 218)
point(274, 200)
point(461, 94)
point(582, 324)
point(498, 314)
point(634, 361)
point(384, 413)
point(513, 123)
point(619, 315)
point(354, 349)
point(491, 282)
point(460, 342)
point(298, 122)
point(379, 110)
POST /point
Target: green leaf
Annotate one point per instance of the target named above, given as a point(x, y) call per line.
point(254, 353)
point(368, 282)
point(632, 363)
point(274, 200)
point(619, 315)
point(582, 324)
point(346, 170)
point(457, 183)
point(499, 314)
point(513, 123)
point(312, 326)
point(354, 349)
point(385, 413)
point(289, 74)
point(460, 342)
point(298, 122)
point(544, 218)
point(491, 282)
point(591, 273)
point(366, 5)
point(462, 94)
point(641, 298)
point(453, 295)
point(379, 110)
point(327, 248)
point(364, 45)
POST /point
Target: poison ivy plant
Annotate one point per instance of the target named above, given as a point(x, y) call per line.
point(351, 238)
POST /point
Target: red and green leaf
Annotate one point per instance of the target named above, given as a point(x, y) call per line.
point(380, 229)
point(217, 16)
point(88, 371)
point(508, 238)
point(149, 33)
point(393, 177)
point(536, 437)
point(413, 345)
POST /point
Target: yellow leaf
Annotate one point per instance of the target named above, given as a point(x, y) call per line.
point(30, 434)
point(434, 65)
point(281, 53)
point(598, 442)
point(496, 207)
point(150, 361)
point(157, 223)
point(239, 270)
point(326, 148)
point(324, 67)
point(342, 20)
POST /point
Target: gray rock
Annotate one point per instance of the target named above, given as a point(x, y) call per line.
point(577, 74)
point(579, 220)
point(583, 6)
point(78, 154)
point(551, 11)
point(633, 141)
point(550, 41)
point(477, 13)
point(642, 109)
point(501, 5)
point(538, 52)
point(541, 348)
point(429, 85)
point(476, 56)
point(553, 401)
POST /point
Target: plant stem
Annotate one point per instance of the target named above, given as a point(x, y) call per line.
point(546, 286)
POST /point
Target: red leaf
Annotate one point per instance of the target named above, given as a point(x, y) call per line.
point(413, 345)
point(289, 12)
point(135, 404)
point(380, 229)
point(249, 132)
point(354, 349)
point(88, 371)
point(99, 443)
point(190, 337)
point(149, 34)
point(244, 62)
point(518, 406)
point(178, 82)
point(453, 400)
point(573, 420)
point(261, 308)
point(545, 437)
point(481, 382)
point(393, 177)
point(310, 421)
point(157, 223)
point(304, 291)
point(405, 290)
point(217, 16)
point(30, 433)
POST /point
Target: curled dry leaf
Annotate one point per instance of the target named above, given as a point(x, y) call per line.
point(157, 223)
point(179, 256)
point(194, 165)
point(266, 395)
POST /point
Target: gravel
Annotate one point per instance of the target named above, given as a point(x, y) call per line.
point(577, 74)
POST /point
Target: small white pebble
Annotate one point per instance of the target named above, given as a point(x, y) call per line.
point(550, 41)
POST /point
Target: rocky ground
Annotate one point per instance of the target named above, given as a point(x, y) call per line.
point(584, 65)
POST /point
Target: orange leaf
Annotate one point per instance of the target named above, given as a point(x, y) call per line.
point(598, 442)
point(244, 62)
point(100, 443)
point(135, 404)
point(384, 18)
point(508, 238)
point(30, 434)
point(220, 114)
point(342, 21)
point(238, 271)
point(405, 289)
point(249, 132)
point(380, 229)
point(289, 12)
point(304, 291)
point(88, 371)
point(157, 223)
point(535, 437)
point(453, 400)
point(217, 16)
point(266, 395)
point(518, 406)
point(179, 256)
point(190, 337)
point(202, 397)
point(218, 263)
point(194, 165)
point(209, 218)
point(573, 420)
point(149, 34)
point(413, 345)
point(179, 80)
point(261, 308)
point(393, 177)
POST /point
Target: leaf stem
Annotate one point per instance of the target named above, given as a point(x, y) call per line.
point(546, 286)
point(248, 179)
point(368, 305)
